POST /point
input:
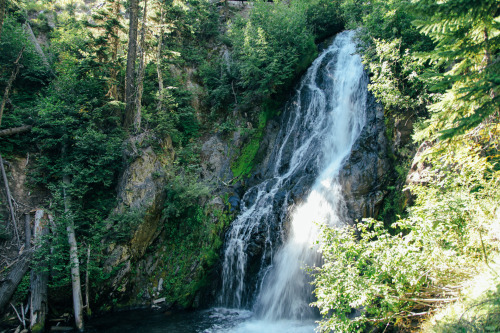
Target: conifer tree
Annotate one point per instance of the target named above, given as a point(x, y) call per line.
point(106, 26)
point(131, 58)
point(467, 37)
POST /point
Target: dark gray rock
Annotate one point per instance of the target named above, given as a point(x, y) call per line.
point(364, 172)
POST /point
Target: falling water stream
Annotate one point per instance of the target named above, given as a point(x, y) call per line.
point(324, 120)
point(264, 285)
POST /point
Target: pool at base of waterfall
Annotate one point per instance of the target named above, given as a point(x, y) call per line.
point(215, 320)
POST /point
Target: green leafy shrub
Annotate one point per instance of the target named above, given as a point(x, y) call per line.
point(392, 276)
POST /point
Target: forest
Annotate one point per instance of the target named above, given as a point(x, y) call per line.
point(130, 132)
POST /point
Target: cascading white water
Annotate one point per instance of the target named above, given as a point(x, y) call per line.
point(323, 121)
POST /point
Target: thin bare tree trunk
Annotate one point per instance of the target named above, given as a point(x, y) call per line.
point(87, 286)
point(158, 61)
point(9, 200)
point(39, 279)
point(73, 256)
point(140, 77)
point(9, 83)
point(27, 231)
point(130, 73)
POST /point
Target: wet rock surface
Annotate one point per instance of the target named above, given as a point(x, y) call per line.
point(364, 172)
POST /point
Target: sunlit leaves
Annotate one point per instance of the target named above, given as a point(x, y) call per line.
point(467, 38)
point(388, 275)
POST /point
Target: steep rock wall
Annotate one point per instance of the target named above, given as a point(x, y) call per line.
point(363, 177)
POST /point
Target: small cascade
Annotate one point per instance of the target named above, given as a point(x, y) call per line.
point(271, 242)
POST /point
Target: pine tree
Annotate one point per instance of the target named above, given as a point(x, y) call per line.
point(105, 28)
point(130, 86)
point(467, 37)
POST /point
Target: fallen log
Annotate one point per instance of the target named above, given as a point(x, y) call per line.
point(9, 285)
point(15, 130)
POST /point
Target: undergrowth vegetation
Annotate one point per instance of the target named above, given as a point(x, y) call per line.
point(417, 264)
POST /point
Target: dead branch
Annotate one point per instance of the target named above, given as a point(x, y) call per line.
point(15, 130)
point(17, 314)
point(9, 199)
point(429, 300)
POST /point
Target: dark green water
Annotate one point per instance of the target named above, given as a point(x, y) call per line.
point(216, 320)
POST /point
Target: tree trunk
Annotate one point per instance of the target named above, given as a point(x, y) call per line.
point(35, 43)
point(158, 61)
point(9, 83)
point(39, 279)
point(9, 200)
point(27, 231)
point(115, 42)
point(3, 5)
point(75, 265)
point(87, 285)
point(15, 130)
point(130, 73)
point(9, 285)
point(140, 78)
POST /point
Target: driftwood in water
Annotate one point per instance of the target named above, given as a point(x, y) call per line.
point(39, 279)
point(9, 285)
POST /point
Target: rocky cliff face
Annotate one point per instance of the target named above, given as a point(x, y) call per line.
point(363, 175)
point(141, 189)
point(142, 268)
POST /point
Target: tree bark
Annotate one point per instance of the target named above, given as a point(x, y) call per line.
point(158, 61)
point(39, 279)
point(9, 200)
point(75, 265)
point(9, 285)
point(35, 43)
point(140, 78)
point(3, 5)
point(130, 73)
point(27, 231)
point(15, 130)
point(9, 83)
point(87, 285)
point(113, 90)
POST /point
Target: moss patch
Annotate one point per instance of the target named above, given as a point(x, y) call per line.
point(244, 164)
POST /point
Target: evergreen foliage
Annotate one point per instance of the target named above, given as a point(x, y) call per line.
point(467, 37)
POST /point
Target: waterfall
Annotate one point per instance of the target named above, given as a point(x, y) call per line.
point(271, 241)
